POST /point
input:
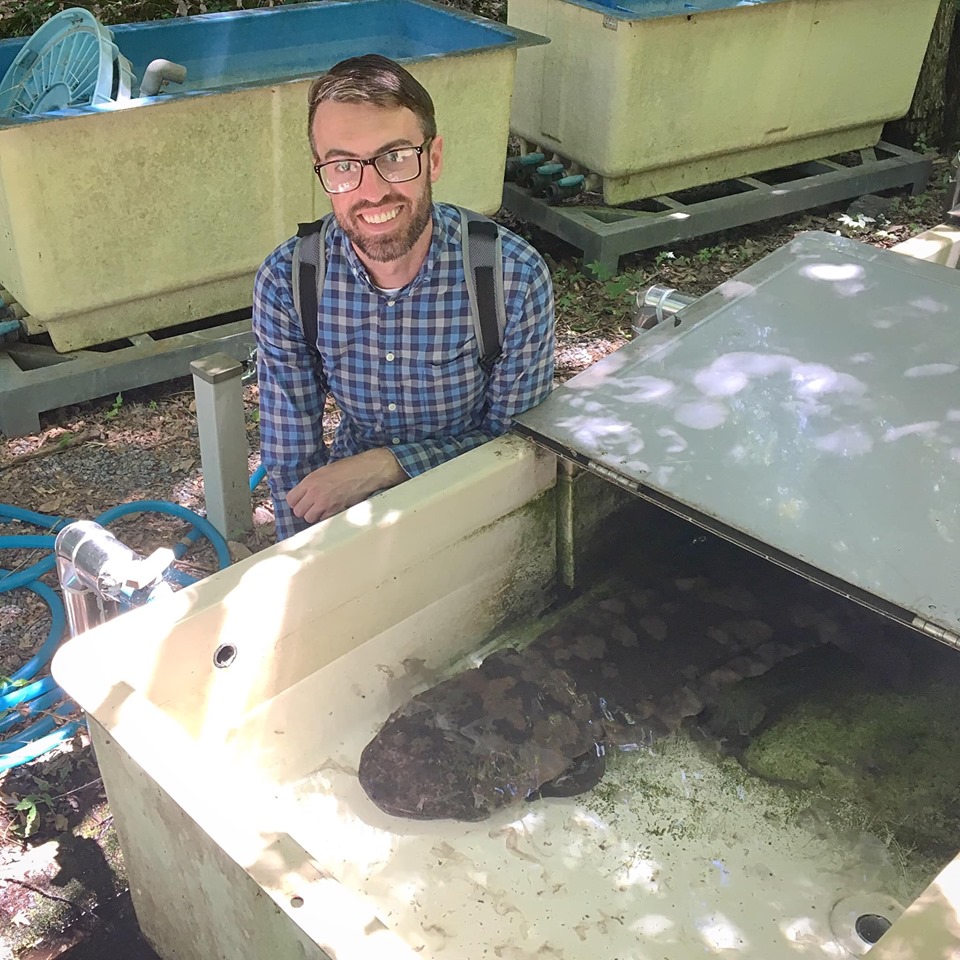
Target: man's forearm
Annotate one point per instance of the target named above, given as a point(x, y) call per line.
point(339, 485)
point(381, 469)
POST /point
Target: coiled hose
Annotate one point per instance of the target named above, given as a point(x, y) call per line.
point(23, 697)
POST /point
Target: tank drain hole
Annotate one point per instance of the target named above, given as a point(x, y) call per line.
point(296, 901)
point(224, 655)
point(871, 927)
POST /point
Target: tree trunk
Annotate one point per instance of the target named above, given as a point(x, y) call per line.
point(923, 126)
point(951, 118)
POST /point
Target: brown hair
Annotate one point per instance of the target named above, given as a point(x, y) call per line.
point(372, 79)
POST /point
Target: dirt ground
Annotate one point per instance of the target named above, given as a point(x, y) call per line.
point(61, 871)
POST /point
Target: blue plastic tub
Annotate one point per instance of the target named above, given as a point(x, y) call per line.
point(222, 51)
point(166, 205)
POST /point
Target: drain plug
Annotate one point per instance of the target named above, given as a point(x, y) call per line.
point(858, 921)
point(871, 927)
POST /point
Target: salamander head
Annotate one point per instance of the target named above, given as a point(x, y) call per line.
point(415, 769)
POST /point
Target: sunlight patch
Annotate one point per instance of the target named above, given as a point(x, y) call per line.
point(832, 272)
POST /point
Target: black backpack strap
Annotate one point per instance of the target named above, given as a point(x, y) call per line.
point(309, 273)
point(483, 270)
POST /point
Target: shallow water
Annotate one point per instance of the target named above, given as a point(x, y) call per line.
point(731, 835)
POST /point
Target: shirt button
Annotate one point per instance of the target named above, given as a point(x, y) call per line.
point(396, 440)
point(390, 303)
point(391, 406)
point(389, 356)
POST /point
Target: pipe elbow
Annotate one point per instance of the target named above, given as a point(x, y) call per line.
point(158, 73)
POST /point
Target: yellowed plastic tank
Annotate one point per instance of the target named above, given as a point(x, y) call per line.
point(246, 835)
point(658, 95)
point(122, 220)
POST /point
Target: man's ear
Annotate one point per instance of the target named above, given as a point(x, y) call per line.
point(436, 158)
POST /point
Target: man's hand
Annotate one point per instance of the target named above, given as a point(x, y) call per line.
point(341, 484)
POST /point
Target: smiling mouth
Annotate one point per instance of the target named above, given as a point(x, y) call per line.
point(384, 217)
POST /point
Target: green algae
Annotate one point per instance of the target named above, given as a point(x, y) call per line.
point(894, 758)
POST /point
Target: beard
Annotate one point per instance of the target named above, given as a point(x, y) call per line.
point(397, 245)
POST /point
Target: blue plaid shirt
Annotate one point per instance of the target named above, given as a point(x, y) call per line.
point(403, 368)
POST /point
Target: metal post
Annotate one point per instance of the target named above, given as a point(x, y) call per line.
point(223, 443)
point(566, 562)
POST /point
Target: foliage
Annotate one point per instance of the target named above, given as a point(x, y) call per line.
point(600, 305)
point(20, 18)
point(29, 810)
point(114, 410)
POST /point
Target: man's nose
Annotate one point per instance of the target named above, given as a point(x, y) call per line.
point(372, 186)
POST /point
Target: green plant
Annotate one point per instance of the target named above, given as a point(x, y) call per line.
point(598, 271)
point(600, 304)
point(114, 410)
point(29, 809)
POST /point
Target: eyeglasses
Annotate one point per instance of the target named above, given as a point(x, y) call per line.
point(394, 166)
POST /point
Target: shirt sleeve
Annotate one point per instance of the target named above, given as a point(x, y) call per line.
point(521, 378)
point(292, 391)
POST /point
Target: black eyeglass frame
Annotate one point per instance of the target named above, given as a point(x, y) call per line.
point(372, 162)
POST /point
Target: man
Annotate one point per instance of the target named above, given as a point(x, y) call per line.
point(396, 342)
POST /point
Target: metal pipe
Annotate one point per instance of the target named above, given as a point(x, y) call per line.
point(566, 563)
point(101, 577)
point(655, 303)
point(83, 607)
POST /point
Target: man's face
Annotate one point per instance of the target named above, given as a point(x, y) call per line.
point(383, 220)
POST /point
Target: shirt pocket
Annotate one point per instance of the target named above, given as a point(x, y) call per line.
point(451, 363)
point(445, 384)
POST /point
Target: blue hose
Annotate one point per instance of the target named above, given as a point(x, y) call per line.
point(39, 747)
point(44, 702)
point(20, 698)
point(205, 527)
point(23, 578)
point(9, 512)
point(181, 548)
point(24, 542)
point(20, 695)
point(36, 730)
